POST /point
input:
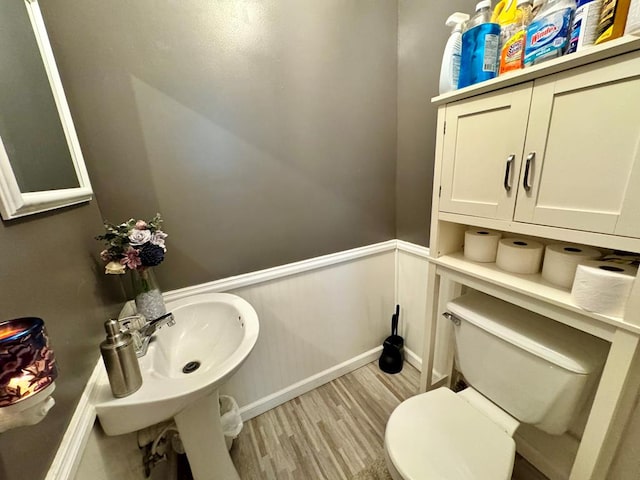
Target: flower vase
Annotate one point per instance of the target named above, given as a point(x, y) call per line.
point(148, 297)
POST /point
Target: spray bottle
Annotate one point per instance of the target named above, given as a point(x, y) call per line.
point(450, 71)
point(480, 47)
point(505, 12)
point(513, 37)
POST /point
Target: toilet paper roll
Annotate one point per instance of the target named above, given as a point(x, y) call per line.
point(481, 245)
point(603, 287)
point(561, 261)
point(633, 260)
point(519, 255)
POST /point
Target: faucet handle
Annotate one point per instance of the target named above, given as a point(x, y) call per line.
point(132, 323)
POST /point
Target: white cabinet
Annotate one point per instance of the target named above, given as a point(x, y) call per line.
point(552, 151)
point(561, 151)
point(483, 145)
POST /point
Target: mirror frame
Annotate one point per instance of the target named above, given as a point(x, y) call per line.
point(13, 202)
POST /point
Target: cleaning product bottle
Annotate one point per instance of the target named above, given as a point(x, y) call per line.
point(505, 12)
point(513, 37)
point(633, 18)
point(537, 5)
point(613, 20)
point(585, 24)
point(548, 34)
point(480, 47)
point(450, 71)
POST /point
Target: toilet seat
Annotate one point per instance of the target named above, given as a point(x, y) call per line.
point(440, 436)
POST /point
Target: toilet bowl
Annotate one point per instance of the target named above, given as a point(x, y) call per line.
point(457, 440)
point(521, 367)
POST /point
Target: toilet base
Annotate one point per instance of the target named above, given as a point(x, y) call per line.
point(390, 466)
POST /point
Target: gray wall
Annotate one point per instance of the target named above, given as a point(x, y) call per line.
point(422, 35)
point(49, 271)
point(264, 132)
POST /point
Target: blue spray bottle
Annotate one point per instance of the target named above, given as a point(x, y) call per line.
point(480, 55)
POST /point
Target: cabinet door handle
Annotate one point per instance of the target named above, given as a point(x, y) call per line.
point(507, 173)
point(527, 171)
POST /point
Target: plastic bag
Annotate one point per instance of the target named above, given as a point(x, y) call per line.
point(230, 418)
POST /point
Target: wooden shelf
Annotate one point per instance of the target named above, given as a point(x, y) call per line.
point(610, 49)
point(533, 286)
point(602, 240)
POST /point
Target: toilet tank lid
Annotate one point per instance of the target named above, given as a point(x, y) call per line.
point(566, 347)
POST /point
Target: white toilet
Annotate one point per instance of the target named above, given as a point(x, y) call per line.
point(524, 368)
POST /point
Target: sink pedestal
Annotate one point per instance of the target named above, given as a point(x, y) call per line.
point(201, 434)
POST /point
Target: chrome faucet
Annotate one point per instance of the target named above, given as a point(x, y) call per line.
point(142, 330)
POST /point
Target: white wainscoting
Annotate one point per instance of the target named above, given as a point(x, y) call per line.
point(411, 278)
point(319, 319)
point(314, 323)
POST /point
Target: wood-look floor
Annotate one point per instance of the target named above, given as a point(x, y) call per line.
point(330, 433)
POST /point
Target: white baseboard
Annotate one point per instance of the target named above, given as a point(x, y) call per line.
point(278, 398)
point(65, 463)
point(413, 359)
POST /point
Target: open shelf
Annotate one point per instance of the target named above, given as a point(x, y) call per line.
point(619, 46)
point(530, 285)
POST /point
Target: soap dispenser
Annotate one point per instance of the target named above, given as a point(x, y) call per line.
point(120, 361)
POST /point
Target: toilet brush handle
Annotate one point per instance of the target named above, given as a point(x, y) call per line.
point(394, 324)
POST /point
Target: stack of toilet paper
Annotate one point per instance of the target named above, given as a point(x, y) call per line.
point(601, 286)
point(516, 255)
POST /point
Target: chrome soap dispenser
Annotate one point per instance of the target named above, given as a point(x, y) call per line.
point(120, 361)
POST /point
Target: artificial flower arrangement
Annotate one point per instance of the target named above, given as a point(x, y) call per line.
point(133, 245)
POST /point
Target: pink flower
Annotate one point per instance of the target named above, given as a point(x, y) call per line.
point(141, 225)
point(131, 259)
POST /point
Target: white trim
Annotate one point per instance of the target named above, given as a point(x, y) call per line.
point(278, 398)
point(439, 380)
point(408, 247)
point(67, 459)
point(248, 279)
point(14, 203)
point(396, 276)
point(413, 359)
point(272, 401)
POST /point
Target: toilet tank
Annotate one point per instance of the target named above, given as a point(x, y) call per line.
point(536, 369)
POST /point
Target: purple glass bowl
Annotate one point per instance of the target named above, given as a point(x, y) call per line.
point(27, 363)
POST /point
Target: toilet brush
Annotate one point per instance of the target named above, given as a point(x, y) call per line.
point(392, 348)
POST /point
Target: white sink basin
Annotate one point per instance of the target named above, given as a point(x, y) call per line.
point(216, 332)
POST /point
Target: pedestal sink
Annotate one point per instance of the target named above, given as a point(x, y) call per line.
point(182, 371)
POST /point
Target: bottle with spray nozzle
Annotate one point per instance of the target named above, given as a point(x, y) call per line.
point(513, 37)
point(450, 71)
point(480, 47)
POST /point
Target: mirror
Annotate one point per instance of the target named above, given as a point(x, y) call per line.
point(41, 164)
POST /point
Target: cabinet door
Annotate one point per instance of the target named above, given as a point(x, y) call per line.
point(482, 150)
point(582, 147)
